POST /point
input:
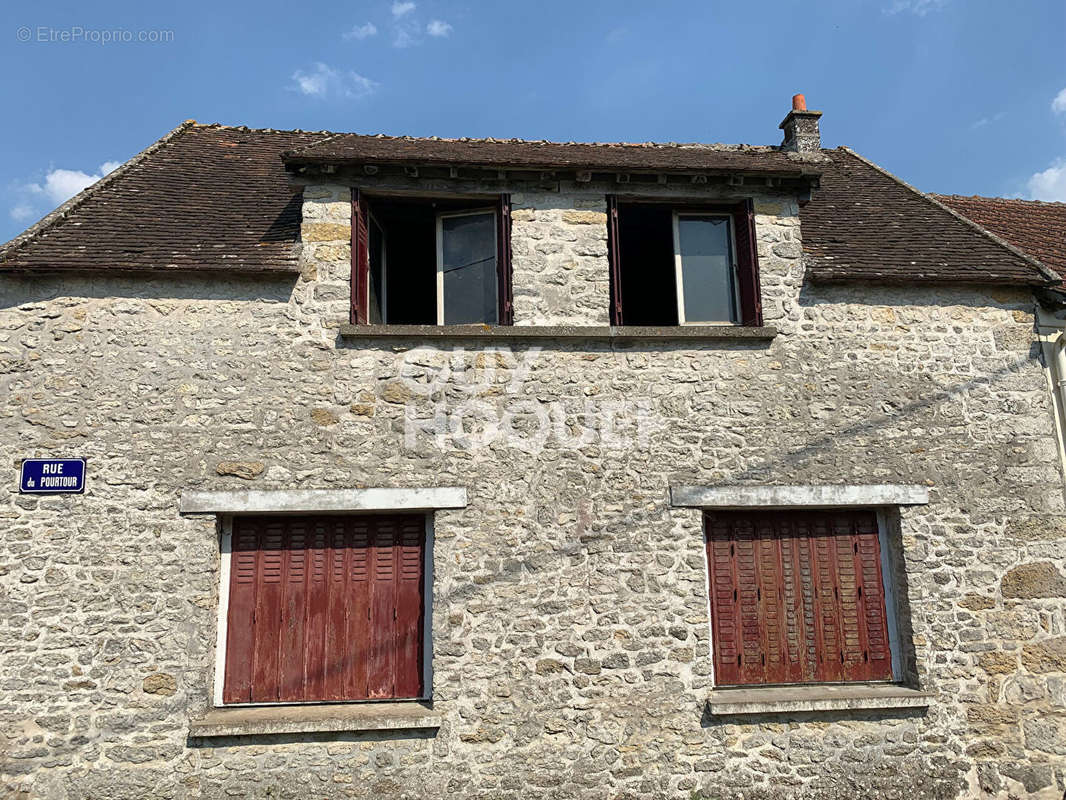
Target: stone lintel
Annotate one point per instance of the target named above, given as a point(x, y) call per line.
point(842, 496)
point(633, 333)
point(743, 701)
point(326, 718)
point(294, 501)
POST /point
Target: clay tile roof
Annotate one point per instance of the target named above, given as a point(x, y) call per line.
point(865, 224)
point(355, 148)
point(1036, 228)
point(208, 197)
point(202, 197)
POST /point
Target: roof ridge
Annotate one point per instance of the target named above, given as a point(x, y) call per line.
point(1045, 271)
point(49, 221)
point(999, 199)
point(247, 129)
point(480, 139)
point(719, 146)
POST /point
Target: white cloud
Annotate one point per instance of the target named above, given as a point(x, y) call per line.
point(917, 7)
point(23, 212)
point(361, 31)
point(988, 120)
point(324, 81)
point(400, 8)
point(62, 184)
point(1049, 184)
point(1058, 105)
point(438, 27)
point(34, 198)
point(404, 38)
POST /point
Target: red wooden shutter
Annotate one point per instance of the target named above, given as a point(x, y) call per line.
point(725, 600)
point(797, 597)
point(325, 608)
point(244, 573)
point(360, 280)
point(504, 271)
point(408, 643)
point(614, 258)
point(747, 264)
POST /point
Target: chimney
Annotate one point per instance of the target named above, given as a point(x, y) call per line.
point(801, 128)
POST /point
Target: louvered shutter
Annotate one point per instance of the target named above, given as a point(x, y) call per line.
point(504, 271)
point(408, 643)
point(614, 258)
point(797, 597)
point(360, 280)
point(325, 608)
point(747, 264)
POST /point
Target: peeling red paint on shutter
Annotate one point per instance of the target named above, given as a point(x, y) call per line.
point(614, 258)
point(244, 569)
point(360, 279)
point(797, 597)
point(747, 263)
point(408, 649)
point(360, 535)
point(504, 271)
point(325, 608)
point(725, 606)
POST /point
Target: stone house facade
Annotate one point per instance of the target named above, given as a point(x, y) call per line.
point(192, 327)
point(1038, 229)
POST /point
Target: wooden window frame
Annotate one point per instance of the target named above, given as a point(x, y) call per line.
point(473, 212)
point(679, 281)
point(372, 220)
point(222, 622)
point(359, 305)
point(890, 599)
point(744, 246)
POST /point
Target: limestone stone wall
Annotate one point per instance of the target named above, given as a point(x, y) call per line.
point(570, 624)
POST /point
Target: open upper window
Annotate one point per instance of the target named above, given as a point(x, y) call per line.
point(431, 261)
point(677, 264)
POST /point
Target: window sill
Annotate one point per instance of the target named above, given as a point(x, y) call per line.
point(324, 718)
point(634, 333)
point(743, 701)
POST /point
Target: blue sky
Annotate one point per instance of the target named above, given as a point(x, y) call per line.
point(955, 96)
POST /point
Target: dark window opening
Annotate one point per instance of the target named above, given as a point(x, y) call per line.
point(428, 261)
point(649, 288)
point(682, 264)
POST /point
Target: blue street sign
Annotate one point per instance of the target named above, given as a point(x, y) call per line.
point(53, 476)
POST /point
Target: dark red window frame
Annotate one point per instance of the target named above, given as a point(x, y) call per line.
point(360, 281)
point(743, 215)
point(797, 597)
point(325, 608)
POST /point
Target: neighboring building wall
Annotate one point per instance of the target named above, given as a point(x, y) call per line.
point(570, 607)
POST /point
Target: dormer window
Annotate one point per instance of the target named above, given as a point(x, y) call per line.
point(431, 260)
point(676, 264)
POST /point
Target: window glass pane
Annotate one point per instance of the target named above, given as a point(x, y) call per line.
point(706, 269)
point(469, 263)
point(377, 272)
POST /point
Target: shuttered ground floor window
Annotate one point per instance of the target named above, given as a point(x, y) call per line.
point(797, 597)
point(325, 608)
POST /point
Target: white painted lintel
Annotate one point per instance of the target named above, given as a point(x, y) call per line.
point(321, 501)
point(830, 496)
